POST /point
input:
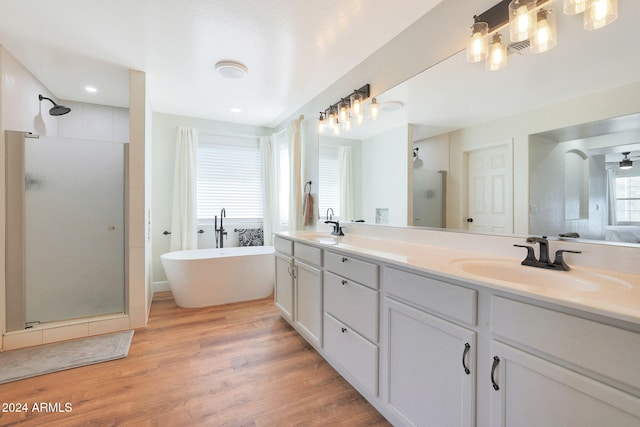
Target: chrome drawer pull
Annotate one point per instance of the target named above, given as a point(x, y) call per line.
point(496, 360)
point(467, 347)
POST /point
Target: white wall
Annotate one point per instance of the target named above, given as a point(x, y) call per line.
point(165, 127)
point(385, 176)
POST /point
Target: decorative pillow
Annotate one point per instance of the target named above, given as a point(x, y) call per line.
point(251, 237)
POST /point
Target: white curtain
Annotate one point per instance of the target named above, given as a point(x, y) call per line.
point(345, 181)
point(295, 174)
point(270, 195)
point(611, 197)
point(184, 218)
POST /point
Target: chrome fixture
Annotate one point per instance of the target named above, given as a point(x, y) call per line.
point(626, 163)
point(330, 216)
point(348, 111)
point(220, 233)
point(543, 260)
point(56, 110)
point(337, 230)
point(531, 23)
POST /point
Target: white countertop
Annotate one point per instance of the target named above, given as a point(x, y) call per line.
point(603, 292)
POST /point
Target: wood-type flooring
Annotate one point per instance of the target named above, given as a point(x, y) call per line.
point(232, 365)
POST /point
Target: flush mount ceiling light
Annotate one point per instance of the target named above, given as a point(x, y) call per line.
point(626, 163)
point(231, 69)
point(344, 113)
point(531, 22)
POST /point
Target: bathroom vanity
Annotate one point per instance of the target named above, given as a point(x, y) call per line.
point(434, 333)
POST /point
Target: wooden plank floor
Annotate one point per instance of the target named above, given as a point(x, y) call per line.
point(233, 365)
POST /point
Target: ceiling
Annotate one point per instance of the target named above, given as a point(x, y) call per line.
point(294, 49)
point(455, 94)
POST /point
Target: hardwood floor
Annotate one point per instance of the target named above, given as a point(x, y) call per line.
point(233, 365)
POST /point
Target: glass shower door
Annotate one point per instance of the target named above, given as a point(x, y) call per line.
point(74, 229)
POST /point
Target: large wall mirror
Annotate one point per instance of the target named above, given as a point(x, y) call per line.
point(534, 148)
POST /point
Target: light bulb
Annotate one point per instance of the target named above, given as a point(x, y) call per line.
point(545, 37)
point(374, 110)
point(356, 103)
point(477, 49)
point(573, 7)
point(600, 13)
point(522, 20)
point(497, 58)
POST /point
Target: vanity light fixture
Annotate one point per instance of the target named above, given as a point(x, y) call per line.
point(374, 110)
point(626, 163)
point(531, 22)
point(343, 114)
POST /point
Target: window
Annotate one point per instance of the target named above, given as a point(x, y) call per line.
point(628, 199)
point(229, 176)
point(329, 186)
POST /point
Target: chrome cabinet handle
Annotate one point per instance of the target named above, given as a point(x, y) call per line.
point(294, 269)
point(496, 360)
point(467, 347)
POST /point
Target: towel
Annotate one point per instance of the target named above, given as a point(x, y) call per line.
point(307, 209)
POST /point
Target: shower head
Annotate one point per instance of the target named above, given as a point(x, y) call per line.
point(56, 110)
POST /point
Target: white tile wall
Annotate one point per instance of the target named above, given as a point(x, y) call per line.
point(94, 122)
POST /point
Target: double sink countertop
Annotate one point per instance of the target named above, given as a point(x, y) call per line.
point(602, 292)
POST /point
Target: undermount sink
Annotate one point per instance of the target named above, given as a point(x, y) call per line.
point(514, 272)
point(324, 238)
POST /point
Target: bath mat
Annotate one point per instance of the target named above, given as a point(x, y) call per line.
point(32, 361)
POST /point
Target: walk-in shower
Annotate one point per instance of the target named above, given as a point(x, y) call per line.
point(56, 110)
point(65, 229)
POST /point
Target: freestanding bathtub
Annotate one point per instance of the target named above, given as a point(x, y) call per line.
point(204, 277)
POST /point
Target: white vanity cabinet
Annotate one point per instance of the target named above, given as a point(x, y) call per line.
point(283, 292)
point(428, 372)
point(554, 369)
point(351, 300)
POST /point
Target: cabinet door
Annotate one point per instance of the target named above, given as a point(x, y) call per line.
point(308, 295)
point(284, 286)
point(534, 392)
point(429, 368)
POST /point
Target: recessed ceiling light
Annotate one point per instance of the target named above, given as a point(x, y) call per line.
point(235, 109)
point(231, 69)
point(90, 89)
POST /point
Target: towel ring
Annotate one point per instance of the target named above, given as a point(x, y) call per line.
point(305, 187)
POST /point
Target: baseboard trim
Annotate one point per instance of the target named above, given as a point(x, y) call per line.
point(160, 286)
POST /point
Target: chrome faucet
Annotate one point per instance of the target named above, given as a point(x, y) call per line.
point(543, 260)
point(329, 218)
point(220, 233)
point(337, 230)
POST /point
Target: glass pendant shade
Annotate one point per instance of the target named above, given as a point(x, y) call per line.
point(357, 106)
point(600, 13)
point(478, 47)
point(344, 110)
point(522, 19)
point(374, 110)
point(545, 37)
point(359, 118)
point(497, 58)
point(321, 123)
point(573, 7)
point(346, 124)
point(333, 119)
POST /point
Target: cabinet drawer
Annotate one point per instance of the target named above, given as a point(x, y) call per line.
point(604, 349)
point(362, 272)
point(354, 353)
point(451, 300)
point(283, 245)
point(308, 253)
point(353, 304)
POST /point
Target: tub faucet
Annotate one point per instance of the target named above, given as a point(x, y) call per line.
point(330, 217)
point(220, 233)
point(543, 260)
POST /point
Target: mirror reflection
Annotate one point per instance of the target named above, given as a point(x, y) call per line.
point(529, 149)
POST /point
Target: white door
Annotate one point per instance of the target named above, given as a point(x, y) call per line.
point(490, 189)
point(284, 286)
point(429, 368)
point(531, 392)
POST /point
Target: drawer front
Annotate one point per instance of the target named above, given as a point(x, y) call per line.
point(445, 298)
point(353, 304)
point(283, 245)
point(607, 350)
point(354, 353)
point(308, 253)
point(362, 272)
